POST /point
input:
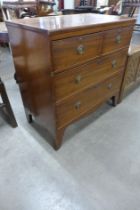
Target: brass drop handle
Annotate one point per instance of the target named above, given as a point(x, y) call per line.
point(109, 86)
point(81, 49)
point(78, 79)
point(78, 105)
point(118, 39)
point(114, 64)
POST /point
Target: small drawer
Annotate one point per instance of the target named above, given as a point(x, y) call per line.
point(74, 80)
point(116, 39)
point(72, 51)
point(85, 101)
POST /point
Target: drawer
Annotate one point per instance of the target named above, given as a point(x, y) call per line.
point(74, 80)
point(116, 39)
point(79, 104)
point(72, 51)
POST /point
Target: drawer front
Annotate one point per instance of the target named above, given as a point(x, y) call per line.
point(81, 103)
point(72, 51)
point(116, 39)
point(68, 82)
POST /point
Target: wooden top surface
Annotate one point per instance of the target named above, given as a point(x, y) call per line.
point(69, 22)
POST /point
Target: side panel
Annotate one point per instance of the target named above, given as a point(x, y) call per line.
point(32, 59)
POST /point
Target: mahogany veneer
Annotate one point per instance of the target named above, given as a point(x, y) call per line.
point(67, 66)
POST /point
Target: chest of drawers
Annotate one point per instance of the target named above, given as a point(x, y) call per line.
point(68, 66)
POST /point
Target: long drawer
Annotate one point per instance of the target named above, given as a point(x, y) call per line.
point(71, 81)
point(79, 104)
point(75, 50)
point(116, 39)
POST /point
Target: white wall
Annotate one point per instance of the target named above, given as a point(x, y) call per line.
point(68, 4)
point(102, 2)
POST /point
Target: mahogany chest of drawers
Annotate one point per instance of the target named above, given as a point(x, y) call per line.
point(67, 66)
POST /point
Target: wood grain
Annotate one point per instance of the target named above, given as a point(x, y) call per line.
point(89, 74)
point(76, 105)
point(115, 39)
point(66, 52)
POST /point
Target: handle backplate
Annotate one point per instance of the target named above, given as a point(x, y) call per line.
point(118, 39)
point(81, 49)
point(109, 86)
point(78, 79)
point(78, 105)
point(114, 64)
